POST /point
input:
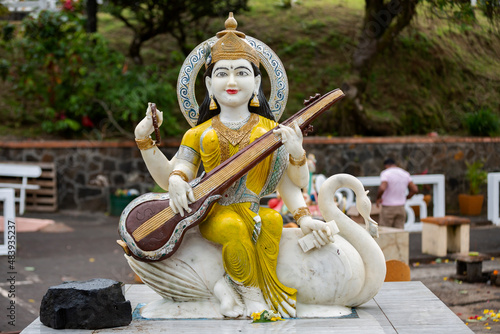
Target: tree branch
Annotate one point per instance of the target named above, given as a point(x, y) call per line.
point(402, 22)
point(112, 119)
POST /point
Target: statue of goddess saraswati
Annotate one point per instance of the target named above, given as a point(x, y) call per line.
point(233, 115)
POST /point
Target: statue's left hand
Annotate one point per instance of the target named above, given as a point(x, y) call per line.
point(321, 232)
point(291, 137)
point(145, 126)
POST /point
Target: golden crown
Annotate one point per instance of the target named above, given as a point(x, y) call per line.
point(231, 44)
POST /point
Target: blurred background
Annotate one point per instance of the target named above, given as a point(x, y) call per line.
point(85, 69)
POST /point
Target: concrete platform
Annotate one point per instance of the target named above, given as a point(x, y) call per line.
point(399, 307)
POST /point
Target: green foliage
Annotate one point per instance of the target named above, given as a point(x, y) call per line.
point(476, 176)
point(79, 83)
point(3, 10)
point(50, 62)
point(137, 87)
point(8, 32)
point(285, 4)
point(491, 10)
point(306, 47)
point(4, 68)
point(313, 25)
point(482, 122)
point(432, 74)
point(463, 13)
point(459, 11)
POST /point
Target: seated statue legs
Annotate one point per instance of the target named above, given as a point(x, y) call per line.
point(231, 304)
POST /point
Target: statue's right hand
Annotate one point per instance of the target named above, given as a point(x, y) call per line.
point(145, 127)
point(181, 194)
point(322, 233)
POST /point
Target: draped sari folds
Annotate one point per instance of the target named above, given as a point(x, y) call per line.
point(250, 245)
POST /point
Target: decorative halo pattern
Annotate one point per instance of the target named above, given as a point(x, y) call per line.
point(196, 59)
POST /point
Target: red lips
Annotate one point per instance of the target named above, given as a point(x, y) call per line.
point(232, 91)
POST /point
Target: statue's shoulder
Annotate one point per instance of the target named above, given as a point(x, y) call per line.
point(193, 136)
point(263, 126)
point(267, 123)
point(199, 129)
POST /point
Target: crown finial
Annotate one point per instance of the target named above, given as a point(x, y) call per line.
point(230, 27)
point(231, 44)
point(231, 23)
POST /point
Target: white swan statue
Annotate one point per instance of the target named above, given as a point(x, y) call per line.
point(329, 280)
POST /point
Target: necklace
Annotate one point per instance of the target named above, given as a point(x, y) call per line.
point(235, 125)
point(233, 137)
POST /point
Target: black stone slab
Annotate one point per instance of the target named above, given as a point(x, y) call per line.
point(93, 304)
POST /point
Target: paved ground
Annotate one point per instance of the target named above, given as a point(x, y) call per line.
point(82, 246)
point(47, 259)
point(465, 299)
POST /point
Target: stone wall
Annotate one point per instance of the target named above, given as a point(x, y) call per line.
point(87, 172)
point(82, 166)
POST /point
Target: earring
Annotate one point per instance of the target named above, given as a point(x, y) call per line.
point(255, 101)
point(213, 105)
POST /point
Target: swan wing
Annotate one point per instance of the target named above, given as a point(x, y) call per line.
point(172, 279)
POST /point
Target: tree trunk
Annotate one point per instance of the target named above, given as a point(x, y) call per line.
point(181, 37)
point(139, 38)
point(91, 16)
point(381, 25)
point(135, 49)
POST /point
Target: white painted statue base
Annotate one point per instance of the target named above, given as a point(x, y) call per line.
point(399, 307)
point(167, 309)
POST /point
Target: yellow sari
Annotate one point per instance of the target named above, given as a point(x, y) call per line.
point(249, 235)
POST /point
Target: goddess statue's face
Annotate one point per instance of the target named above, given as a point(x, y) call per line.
point(233, 82)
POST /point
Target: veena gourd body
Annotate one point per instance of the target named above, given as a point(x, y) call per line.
point(239, 258)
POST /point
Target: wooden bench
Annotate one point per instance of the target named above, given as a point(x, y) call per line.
point(43, 199)
point(443, 235)
point(11, 173)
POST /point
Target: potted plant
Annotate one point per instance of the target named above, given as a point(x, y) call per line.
point(472, 203)
point(120, 199)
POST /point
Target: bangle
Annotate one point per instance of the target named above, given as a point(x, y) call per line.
point(181, 174)
point(298, 162)
point(145, 144)
point(301, 212)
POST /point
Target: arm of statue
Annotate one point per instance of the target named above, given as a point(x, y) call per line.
point(180, 192)
point(157, 163)
point(294, 200)
point(297, 171)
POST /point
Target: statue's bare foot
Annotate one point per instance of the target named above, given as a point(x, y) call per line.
point(253, 306)
point(229, 306)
